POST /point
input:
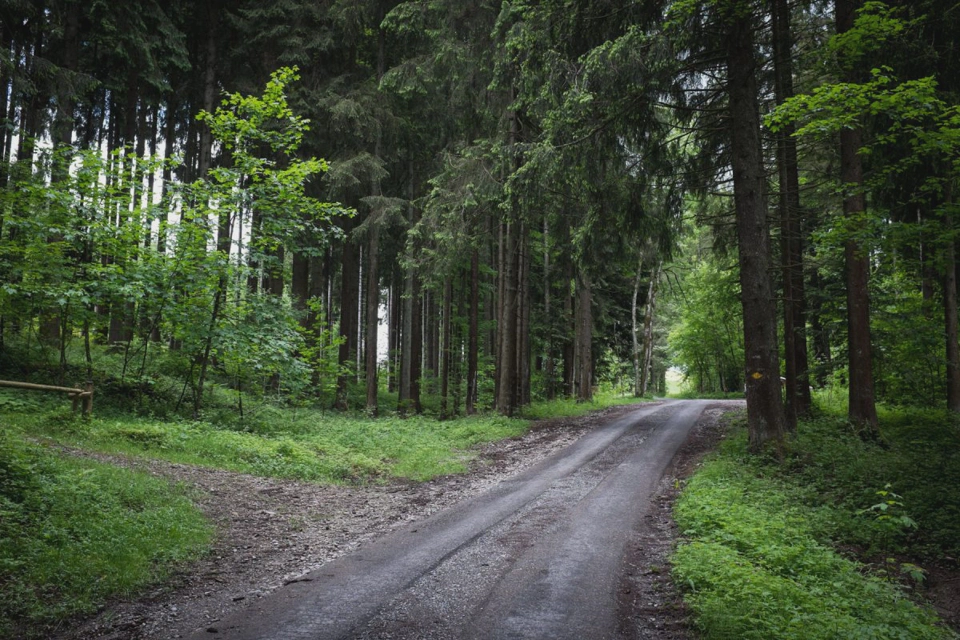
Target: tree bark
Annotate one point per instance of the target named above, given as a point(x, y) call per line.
point(637, 383)
point(548, 366)
point(765, 420)
point(791, 240)
point(205, 151)
point(349, 308)
point(647, 367)
point(445, 350)
point(473, 347)
point(373, 319)
point(584, 338)
point(862, 409)
point(405, 392)
point(300, 286)
point(507, 358)
point(523, 320)
point(393, 356)
point(951, 321)
point(569, 346)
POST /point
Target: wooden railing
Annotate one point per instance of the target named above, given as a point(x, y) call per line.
point(84, 396)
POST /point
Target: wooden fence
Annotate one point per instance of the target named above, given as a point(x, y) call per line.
point(84, 396)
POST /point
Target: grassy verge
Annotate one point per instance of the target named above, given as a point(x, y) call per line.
point(74, 532)
point(759, 556)
point(567, 407)
point(303, 444)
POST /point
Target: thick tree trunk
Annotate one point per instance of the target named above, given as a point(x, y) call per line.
point(508, 327)
point(765, 420)
point(53, 324)
point(791, 238)
point(349, 308)
point(569, 346)
point(411, 334)
point(500, 299)
point(373, 319)
point(950, 319)
point(393, 357)
point(951, 330)
point(584, 338)
point(473, 346)
point(548, 365)
point(209, 86)
point(647, 366)
point(637, 382)
point(445, 350)
point(405, 392)
point(862, 410)
point(523, 321)
point(300, 286)
point(416, 345)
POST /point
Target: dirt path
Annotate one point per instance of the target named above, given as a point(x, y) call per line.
point(274, 532)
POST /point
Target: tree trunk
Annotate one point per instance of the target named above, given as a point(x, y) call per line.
point(473, 347)
point(548, 365)
point(584, 338)
point(416, 345)
point(445, 350)
point(373, 319)
point(393, 355)
point(791, 240)
point(647, 366)
point(209, 87)
point(349, 308)
point(523, 320)
point(765, 420)
point(951, 316)
point(300, 286)
point(411, 332)
point(637, 382)
point(569, 345)
point(862, 410)
point(508, 326)
point(405, 391)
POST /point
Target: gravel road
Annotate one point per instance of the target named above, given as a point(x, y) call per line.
point(539, 555)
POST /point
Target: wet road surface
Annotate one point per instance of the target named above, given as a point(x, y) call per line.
point(537, 556)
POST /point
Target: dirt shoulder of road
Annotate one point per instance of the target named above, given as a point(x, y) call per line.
point(650, 605)
point(272, 532)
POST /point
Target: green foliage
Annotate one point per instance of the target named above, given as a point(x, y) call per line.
point(564, 407)
point(758, 558)
point(74, 533)
point(706, 327)
point(291, 443)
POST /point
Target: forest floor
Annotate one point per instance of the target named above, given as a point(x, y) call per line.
point(272, 532)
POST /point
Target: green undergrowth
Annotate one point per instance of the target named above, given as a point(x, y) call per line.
point(75, 532)
point(288, 442)
point(299, 444)
point(759, 554)
point(567, 407)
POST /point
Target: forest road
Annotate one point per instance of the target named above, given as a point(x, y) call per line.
point(540, 555)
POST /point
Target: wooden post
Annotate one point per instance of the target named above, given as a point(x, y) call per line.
point(88, 399)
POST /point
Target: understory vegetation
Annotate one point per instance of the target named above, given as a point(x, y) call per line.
point(829, 542)
point(74, 532)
